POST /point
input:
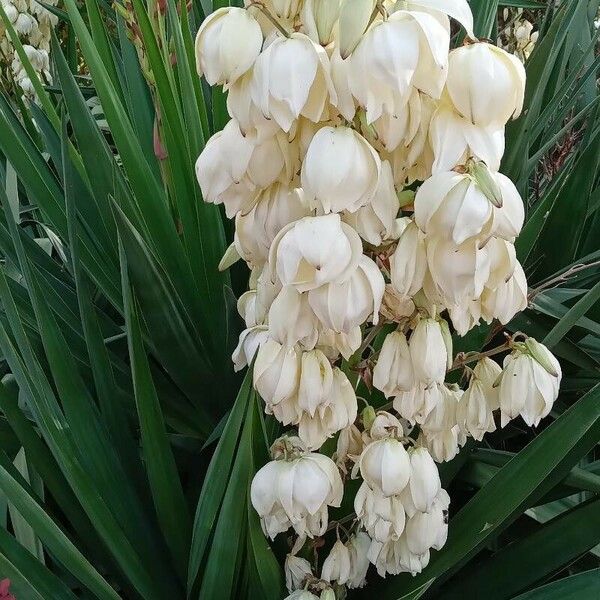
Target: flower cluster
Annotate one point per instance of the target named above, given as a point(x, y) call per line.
point(516, 34)
point(361, 166)
point(33, 23)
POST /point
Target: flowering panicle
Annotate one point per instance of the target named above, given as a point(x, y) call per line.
point(361, 166)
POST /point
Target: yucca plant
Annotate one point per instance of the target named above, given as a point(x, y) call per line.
point(128, 443)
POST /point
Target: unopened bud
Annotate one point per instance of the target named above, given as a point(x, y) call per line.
point(354, 20)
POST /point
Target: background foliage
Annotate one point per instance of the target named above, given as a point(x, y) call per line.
point(127, 443)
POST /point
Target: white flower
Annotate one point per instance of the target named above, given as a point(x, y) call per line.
point(415, 404)
point(358, 545)
point(408, 49)
point(383, 517)
point(291, 319)
point(458, 273)
point(255, 230)
point(344, 306)
point(285, 9)
point(509, 298)
point(334, 413)
point(487, 371)
point(474, 411)
point(340, 74)
point(333, 343)
point(296, 493)
point(354, 19)
point(393, 372)
point(227, 44)
point(466, 315)
point(529, 383)
point(385, 466)
point(277, 372)
point(394, 305)
point(408, 263)
point(428, 351)
point(385, 425)
point(297, 569)
point(485, 83)
point(455, 139)
point(314, 251)
point(509, 218)
point(319, 18)
point(425, 530)
point(394, 557)
point(457, 9)
point(316, 382)
point(376, 221)
point(503, 261)
point(233, 167)
point(424, 483)
point(452, 205)
point(284, 92)
point(337, 567)
point(349, 447)
point(340, 171)
point(249, 342)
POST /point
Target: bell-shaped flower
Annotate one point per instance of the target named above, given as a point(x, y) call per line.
point(233, 168)
point(457, 273)
point(297, 570)
point(296, 493)
point(319, 18)
point(284, 9)
point(340, 77)
point(429, 352)
point(331, 416)
point(408, 263)
point(376, 222)
point(383, 517)
point(415, 404)
point(255, 230)
point(424, 483)
point(487, 371)
point(509, 218)
point(340, 171)
point(408, 49)
point(425, 530)
point(474, 411)
point(455, 139)
point(333, 343)
point(385, 466)
point(384, 425)
point(249, 342)
point(508, 299)
point(277, 371)
point(395, 557)
point(316, 382)
point(529, 384)
point(227, 44)
point(393, 372)
point(503, 261)
point(337, 566)
point(465, 315)
point(452, 206)
point(284, 93)
point(349, 447)
point(394, 306)
point(291, 319)
point(344, 306)
point(485, 83)
point(358, 545)
point(314, 251)
point(459, 10)
point(355, 18)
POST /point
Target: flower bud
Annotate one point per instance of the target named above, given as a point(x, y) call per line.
point(354, 19)
point(428, 352)
point(393, 373)
point(385, 466)
point(344, 306)
point(319, 18)
point(424, 482)
point(314, 251)
point(408, 263)
point(485, 83)
point(227, 44)
point(340, 170)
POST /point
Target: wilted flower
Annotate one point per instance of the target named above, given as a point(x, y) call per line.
point(297, 569)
